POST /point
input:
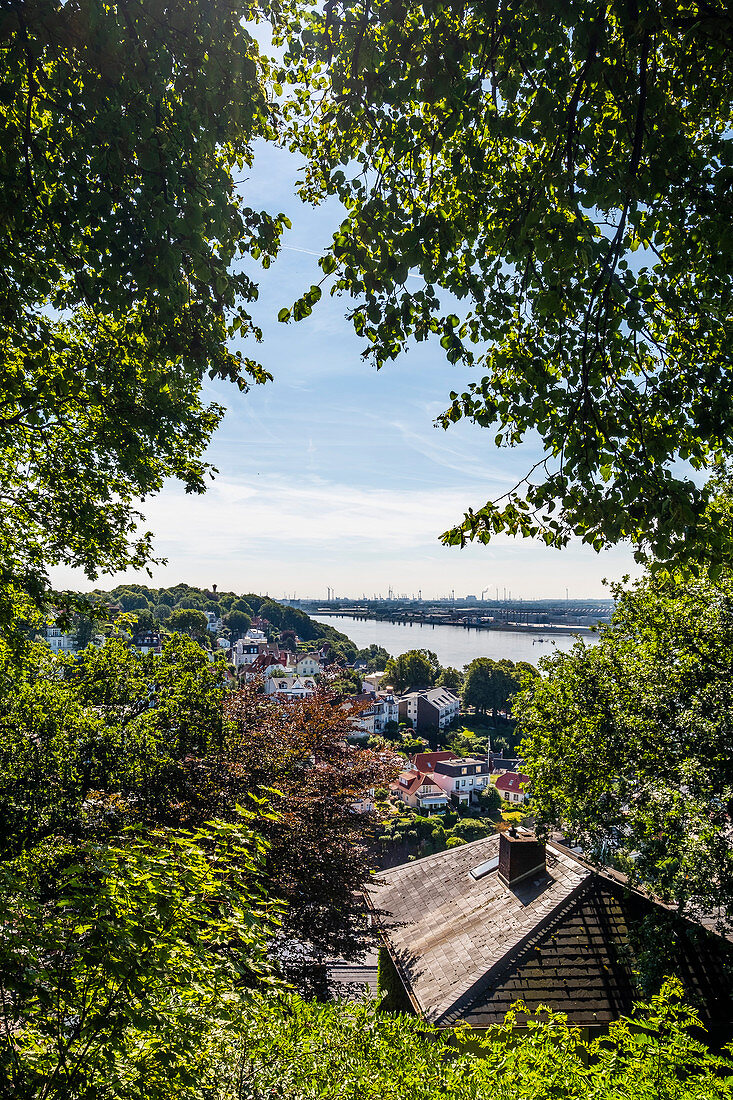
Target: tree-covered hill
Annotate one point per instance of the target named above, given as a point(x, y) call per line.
point(156, 605)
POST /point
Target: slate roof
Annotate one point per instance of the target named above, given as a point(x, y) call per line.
point(468, 949)
point(447, 930)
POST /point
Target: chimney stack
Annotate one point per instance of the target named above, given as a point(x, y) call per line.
point(520, 857)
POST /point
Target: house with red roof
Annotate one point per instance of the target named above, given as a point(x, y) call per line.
point(426, 761)
point(263, 665)
point(512, 786)
point(419, 791)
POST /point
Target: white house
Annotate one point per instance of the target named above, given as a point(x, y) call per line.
point(213, 622)
point(419, 791)
point(308, 665)
point(290, 686)
point(244, 652)
point(512, 786)
point(59, 641)
point(386, 709)
point(463, 777)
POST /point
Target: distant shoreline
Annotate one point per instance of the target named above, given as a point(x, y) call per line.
point(516, 628)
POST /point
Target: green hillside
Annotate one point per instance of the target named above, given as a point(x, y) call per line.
point(154, 606)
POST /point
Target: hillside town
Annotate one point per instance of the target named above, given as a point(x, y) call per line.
point(430, 781)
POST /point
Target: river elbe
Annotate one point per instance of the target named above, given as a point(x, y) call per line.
point(454, 646)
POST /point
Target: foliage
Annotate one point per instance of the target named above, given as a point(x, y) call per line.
point(465, 743)
point(189, 620)
point(412, 744)
point(415, 669)
point(452, 679)
point(229, 606)
point(123, 275)
point(489, 799)
point(628, 741)
point(124, 966)
point(318, 859)
point(471, 829)
point(92, 741)
point(489, 684)
point(238, 622)
point(587, 278)
point(84, 630)
point(375, 656)
point(345, 682)
point(391, 991)
point(303, 1050)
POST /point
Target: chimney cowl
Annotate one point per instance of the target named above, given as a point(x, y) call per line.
point(520, 856)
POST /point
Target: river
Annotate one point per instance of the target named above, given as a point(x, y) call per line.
point(454, 646)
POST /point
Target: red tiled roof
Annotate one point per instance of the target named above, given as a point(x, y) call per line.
point(264, 660)
point(426, 761)
point(512, 781)
point(416, 780)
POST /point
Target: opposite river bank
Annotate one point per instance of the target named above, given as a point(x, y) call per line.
point(454, 646)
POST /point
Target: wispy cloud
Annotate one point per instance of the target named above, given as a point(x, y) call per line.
point(265, 513)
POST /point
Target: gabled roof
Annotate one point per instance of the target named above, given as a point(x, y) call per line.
point(467, 948)
point(512, 781)
point(263, 661)
point(446, 930)
point(426, 761)
point(441, 696)
point(416, 780)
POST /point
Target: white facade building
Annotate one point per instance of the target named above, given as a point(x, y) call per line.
point(308, 665)
point(59, 641)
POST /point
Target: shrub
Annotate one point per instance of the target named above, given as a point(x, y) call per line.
point(423, 825)
point(490, 800)
point(454, 841)
point(471, 829)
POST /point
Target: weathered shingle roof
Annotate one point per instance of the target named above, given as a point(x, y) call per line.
point(468, 949)
point(446, 930)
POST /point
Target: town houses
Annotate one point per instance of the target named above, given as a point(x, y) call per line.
point(433, 780)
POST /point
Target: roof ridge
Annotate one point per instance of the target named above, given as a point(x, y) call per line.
point(486, 977)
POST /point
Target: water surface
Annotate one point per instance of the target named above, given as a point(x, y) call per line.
point(455, 646)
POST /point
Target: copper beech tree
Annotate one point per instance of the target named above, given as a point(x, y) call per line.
point(297, 756)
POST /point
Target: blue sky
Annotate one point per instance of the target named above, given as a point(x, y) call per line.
point(333, 474)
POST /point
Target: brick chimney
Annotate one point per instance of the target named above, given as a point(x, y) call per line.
point(520, 856)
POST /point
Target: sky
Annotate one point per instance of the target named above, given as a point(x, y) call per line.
point(334, 475)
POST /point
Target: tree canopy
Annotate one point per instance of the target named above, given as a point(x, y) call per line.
point(418, 668)
point(628, 742)
point(547, 190)
point(490, 685)
point(123, 126)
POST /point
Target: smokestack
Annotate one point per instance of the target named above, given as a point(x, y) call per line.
point(520, 857)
